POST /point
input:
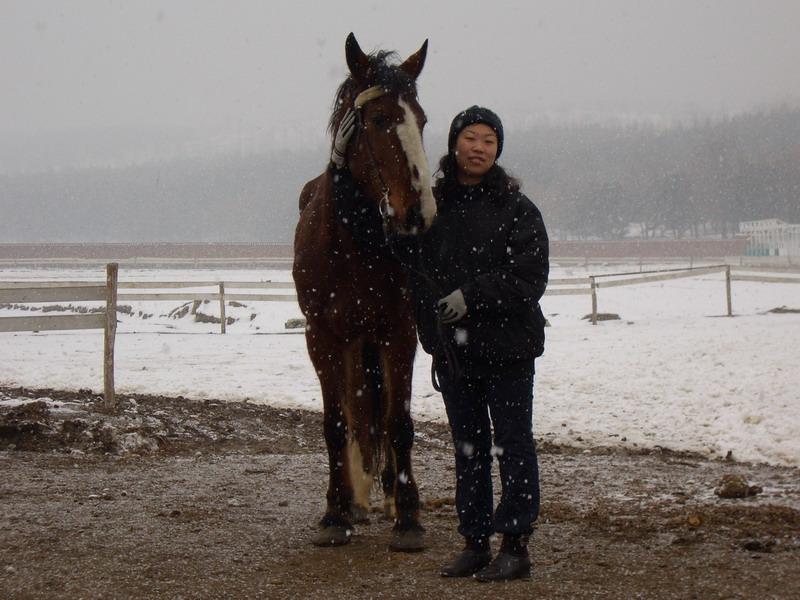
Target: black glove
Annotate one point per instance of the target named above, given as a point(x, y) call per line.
point(343, 134)
point(452, 307)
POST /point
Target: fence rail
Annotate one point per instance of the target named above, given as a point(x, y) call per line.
point(764, 279)
point(662, 276)
point(51, 292)
point(52, 323)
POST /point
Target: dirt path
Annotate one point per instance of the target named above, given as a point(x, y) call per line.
point(182, 499)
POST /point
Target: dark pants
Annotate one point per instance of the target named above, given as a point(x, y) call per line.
point(474, 406)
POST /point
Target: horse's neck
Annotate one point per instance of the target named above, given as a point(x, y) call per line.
point(330, 231)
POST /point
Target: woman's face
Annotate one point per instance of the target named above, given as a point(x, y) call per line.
point(476, 149)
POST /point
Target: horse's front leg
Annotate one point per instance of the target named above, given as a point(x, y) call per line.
point(335, 527)
point(407, 534)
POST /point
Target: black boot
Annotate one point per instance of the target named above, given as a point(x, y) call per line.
point(512, 562)
point(474, 557)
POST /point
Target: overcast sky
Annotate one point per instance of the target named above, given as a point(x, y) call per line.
point(270, 69)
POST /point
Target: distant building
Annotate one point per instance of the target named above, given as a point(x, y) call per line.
point(771, 237)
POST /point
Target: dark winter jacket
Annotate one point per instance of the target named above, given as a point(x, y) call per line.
point(495, 249)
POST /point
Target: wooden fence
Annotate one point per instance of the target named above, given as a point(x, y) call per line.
point(66, 291)
point(266, 291)
point(106, 319)
point(588, 285)
point(591, 284)
point(222, 293)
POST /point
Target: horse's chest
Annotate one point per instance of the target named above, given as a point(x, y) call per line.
point(355, 296)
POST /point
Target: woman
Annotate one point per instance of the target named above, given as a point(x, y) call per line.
point(477, 274)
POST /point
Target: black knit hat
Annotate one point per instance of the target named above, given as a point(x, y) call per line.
point(470, 116)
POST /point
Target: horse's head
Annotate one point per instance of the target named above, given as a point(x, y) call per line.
point(386, 155)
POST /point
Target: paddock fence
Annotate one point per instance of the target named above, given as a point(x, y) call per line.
point(113, 292)
point(223, 292)
point(48, 292)
point(590, 284)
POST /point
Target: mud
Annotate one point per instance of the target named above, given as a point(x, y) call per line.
point(173, 498)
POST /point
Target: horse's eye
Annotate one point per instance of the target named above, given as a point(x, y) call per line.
point(380, 121)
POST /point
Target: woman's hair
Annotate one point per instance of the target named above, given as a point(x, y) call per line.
point(497, 181)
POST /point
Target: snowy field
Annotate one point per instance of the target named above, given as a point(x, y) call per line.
point(673, 372)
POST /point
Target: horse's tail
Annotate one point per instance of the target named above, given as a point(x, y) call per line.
point(373, 369)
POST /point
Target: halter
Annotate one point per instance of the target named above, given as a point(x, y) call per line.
point(375, 91)
point(372, 93)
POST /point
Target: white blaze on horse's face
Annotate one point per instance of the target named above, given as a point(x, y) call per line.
point(410, 136)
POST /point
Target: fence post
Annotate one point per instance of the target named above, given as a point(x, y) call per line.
point(594, 299)
point(222, 317)
point(110, 330)
point(728, 289)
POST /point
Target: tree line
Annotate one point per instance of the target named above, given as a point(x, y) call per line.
point(590, 180)
point(223, 198)
point(612, 181)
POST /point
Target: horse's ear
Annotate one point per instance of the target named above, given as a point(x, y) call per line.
point(414, 63)
point(357, 61)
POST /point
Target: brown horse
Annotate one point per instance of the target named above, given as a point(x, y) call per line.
point(360, 332)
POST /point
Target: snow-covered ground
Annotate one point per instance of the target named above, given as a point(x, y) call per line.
point(672, 372)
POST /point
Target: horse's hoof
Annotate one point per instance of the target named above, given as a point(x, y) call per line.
point(408, 540)
point(333, 535)
point(359, 513)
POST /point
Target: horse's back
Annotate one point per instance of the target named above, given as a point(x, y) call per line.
point(311, 189)
point(312, 226)
point(311, 241)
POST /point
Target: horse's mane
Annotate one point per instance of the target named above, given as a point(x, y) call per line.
point(383, 71)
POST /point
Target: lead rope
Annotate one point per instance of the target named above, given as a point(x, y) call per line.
point(444, 351)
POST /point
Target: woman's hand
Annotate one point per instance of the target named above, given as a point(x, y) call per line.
point(342, 138)
point(452, 307)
